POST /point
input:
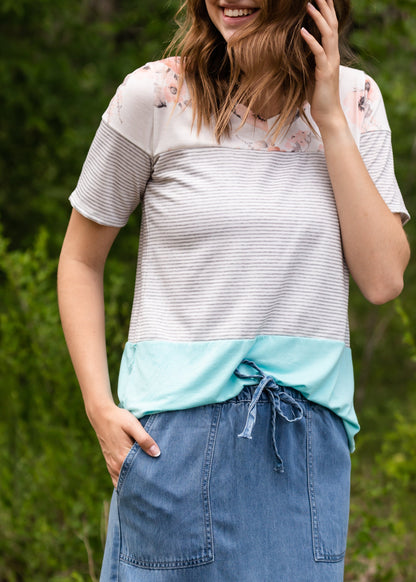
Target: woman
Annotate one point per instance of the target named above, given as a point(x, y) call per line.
point(266, 177)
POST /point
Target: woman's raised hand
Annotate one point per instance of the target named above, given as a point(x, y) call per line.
point(374, 243)
point(325, 101)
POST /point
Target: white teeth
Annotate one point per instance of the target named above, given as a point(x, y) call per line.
point(238, 12)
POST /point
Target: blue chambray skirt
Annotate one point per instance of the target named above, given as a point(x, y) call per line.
point(254, 489)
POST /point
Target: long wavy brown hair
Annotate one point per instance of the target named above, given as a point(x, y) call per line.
point(268, 53)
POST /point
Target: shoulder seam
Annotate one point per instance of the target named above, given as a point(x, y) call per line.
point(122, 136)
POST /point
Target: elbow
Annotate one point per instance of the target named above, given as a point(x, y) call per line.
point(386, 284)
point(384, 291)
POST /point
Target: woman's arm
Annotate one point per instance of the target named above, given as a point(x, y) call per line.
point(81, 304)
point(374, 243)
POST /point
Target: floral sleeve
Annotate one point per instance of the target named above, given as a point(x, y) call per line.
point(375, 143)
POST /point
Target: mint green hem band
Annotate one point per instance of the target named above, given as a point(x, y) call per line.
point(158, 376)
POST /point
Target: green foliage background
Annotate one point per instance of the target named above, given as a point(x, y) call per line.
point(59, 66)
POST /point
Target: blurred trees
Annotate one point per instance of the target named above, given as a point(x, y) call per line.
point(60, 66)
point(60, 62)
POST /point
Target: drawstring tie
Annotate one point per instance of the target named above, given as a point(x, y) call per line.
point(277, 396)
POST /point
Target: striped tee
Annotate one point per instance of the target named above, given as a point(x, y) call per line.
point(240, 253)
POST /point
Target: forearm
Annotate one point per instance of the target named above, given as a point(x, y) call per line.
point(81, 304)
point(374, 243)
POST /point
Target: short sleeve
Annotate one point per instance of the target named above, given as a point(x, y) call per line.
point(376, 148)
point(119, 162)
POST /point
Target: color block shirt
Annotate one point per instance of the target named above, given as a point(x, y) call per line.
point(240, 253)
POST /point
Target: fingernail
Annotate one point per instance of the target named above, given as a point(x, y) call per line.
point(154, 451)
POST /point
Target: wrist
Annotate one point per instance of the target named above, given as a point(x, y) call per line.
point(334, 126)
point(102, 408)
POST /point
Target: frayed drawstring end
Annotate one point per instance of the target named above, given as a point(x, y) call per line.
point(277, 395)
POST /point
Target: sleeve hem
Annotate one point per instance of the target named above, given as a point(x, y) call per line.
point(405, 217)
point(92, 216)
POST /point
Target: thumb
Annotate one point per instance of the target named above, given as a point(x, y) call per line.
point(144, 440)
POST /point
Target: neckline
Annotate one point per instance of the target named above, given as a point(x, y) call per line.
point(257, 120)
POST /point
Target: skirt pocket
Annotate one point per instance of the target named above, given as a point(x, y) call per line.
point(164, 503)
point(329, 467)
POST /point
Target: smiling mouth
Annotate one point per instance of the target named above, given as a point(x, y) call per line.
point(238, 12)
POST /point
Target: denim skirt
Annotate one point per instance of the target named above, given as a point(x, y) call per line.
point(254, 489)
